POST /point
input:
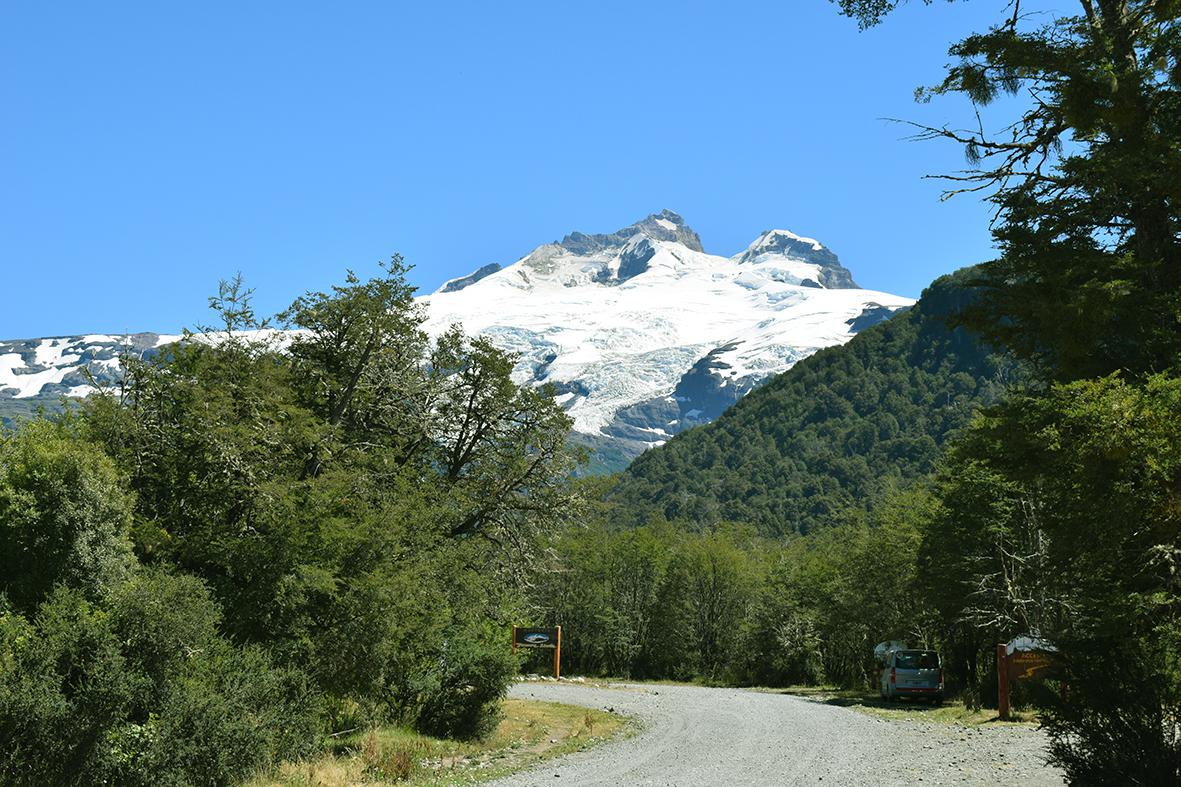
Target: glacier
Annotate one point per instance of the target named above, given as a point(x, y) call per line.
point(643, 334)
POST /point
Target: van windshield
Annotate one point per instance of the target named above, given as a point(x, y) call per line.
point(916, 659)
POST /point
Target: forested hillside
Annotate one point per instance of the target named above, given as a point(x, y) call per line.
point(838, 430)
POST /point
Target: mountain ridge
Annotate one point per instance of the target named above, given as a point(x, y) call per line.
point(642, 334)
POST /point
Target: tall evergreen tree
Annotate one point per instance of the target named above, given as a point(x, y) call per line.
point(1086, 182)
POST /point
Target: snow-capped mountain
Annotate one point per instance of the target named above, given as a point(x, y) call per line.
point(641, 333)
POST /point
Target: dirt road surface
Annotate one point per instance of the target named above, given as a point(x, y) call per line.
point(694, 736)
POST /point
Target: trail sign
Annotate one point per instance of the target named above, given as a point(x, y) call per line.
point(1024, 658)
point(535, 637)
point(1027, 664)
point(547, 638)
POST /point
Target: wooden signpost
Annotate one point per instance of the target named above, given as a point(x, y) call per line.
point(1018, 665)
point(550, 638)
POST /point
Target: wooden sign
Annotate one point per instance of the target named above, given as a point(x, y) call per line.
point(1024, 665)
point(549, 638)
point(1018, 665)
point(535, 637)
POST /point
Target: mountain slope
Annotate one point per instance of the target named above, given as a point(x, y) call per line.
point(836, 430)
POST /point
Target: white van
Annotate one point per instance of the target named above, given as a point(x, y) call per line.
point(912, 673)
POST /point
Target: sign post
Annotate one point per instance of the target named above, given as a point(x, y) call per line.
point(1002, 683)
point(1024, 658)
point(547, 638)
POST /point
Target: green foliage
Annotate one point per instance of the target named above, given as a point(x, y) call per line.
point(834, 595)
point(653, 602)
point(63, 516)
point(1057, 511)
point(1085, 182)
point(1059, 515)
point(1122, 727)
point(459, 695)
point(839, 430)
point(326, 534)
point(143, 692)
point(162, 621)
point(727, 605)
point(63, 685)
point(345, 497)
point(229, 715)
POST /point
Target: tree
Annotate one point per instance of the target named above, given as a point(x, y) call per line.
point(356, 356)
point(64, 516)
point(348, 498)
point(1060, 512)
point(1086, 182)
point(1078, 538)
point(502, 449)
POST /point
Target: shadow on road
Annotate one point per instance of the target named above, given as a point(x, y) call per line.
point(917, 709)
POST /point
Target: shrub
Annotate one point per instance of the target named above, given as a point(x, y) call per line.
point(231, 714)
point(459, 697)
point(63, 685)
point(163, 621)
point(142, 694)
point(63, 516)
point(1116, 722)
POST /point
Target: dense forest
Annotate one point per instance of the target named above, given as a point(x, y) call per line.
point(840, 429)
point(912, 485)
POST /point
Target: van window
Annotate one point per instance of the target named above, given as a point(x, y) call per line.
point(916, 659)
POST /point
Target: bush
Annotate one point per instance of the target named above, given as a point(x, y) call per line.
point(63, 516)
point(144, 693)
point(230, 715)
point(163, 621)
point(460, 696)
point(63, 685)
point(1117, 725)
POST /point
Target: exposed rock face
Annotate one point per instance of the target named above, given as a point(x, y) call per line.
point(782, 243)
point(67, 365)
point(455, 285)
point(665, 225)
point(871, 315)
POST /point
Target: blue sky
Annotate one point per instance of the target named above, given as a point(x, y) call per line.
point(148, 150)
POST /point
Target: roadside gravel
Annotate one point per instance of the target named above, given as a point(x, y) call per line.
point(694, 736)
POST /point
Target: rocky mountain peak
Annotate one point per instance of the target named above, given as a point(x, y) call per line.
point(665, 225)
point(787, 244)
point(454, 285)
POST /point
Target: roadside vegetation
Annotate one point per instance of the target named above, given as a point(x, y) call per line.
point(250, 548)
point(296, 559)
point(529, 732)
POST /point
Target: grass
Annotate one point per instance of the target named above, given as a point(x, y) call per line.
point(952, 711)
point(531, 732)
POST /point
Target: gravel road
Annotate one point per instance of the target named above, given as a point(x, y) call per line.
point(696, 736)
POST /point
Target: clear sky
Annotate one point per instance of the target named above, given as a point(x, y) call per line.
point(147, 150)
